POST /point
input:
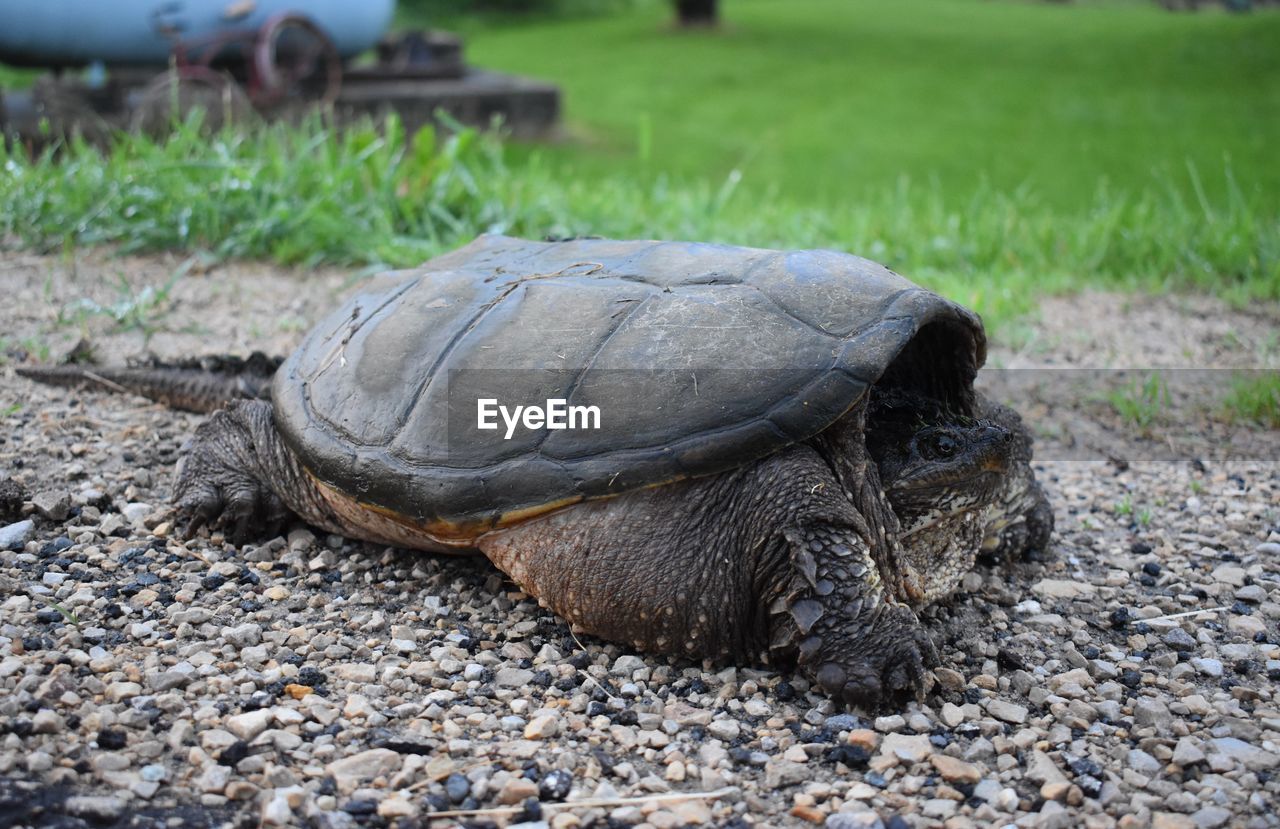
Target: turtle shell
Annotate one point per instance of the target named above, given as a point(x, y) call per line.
point(699, 358)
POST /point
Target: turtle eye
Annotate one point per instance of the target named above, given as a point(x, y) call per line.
point(939, 446)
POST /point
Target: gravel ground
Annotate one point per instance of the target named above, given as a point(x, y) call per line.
point(1127, 679)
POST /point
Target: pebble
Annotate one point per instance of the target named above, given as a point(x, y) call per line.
point(954, 770)
point(1007, 711)
point(1187, 753)
point(15, 536)
point(1062, 588)
point(854, 820)
point(243, 635)
point(513, 678)
point(1253, 757)
point(726, 730)
point(542, 727)
point(1142, 762)
point(1208, 667)
point(784, 773)
point(1150, 712)
point(250, 724)
point(356, 769)
point(517, 790)
point(99, 809)
point(909, 748)
point(51, 504)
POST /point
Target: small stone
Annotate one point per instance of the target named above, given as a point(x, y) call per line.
point(513, 677)
point(1210, 817)
point(939, 808)
point(542, 727)
point(517, 790)
point(250, 724)
point(1252, 593)
point(1180, 640)
point(135, 512)
point(726, 730)
point(626, 665)
point(214, 779)
point(1057, 790)
point(46, 721)
point(783, 773)
point(396, 807)
point(1007, 711)
point(357, 707)
point(1230, 574)
point(1208, 667)
point(118, 691)
point(1248, 626)
point(243, 635)
point(298, 691)
point(51, 504)
point(1150, 712)
point(1187, 753)
point(95, 808)
point(693, 812)
point(276, 593)
point(809, 814)
point(893, 722)
point(836, 722)
point(1169, 820)
point(864, 738)
point(457, 787)
point(1254, 758)
point(908, 748)
point(361, 673)
point(350, 773)
point(952, 714)
point(854, 820)
point(1142, 762)
point(1063, 588)
point(954, 770)
point(277, 812)
point(1041, 769)
point(15, 536)
point(950, 680)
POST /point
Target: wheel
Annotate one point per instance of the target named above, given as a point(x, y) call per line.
point(294, 59)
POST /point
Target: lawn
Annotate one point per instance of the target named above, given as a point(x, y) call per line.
point(992, 150)
point(827, 100)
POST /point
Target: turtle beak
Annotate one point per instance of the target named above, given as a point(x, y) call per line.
point(994, 445)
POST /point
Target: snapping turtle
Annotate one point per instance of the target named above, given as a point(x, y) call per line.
point(787, 455)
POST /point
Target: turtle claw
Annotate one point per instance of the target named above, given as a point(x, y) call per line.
point(216, 489)
point(888, 665)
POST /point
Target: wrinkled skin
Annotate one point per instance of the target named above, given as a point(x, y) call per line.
point(814, 557)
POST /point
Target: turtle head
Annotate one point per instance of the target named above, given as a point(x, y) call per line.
point(944, 475)
point(941, 470)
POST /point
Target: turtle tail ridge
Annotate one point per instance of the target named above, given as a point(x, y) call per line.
point(203, 385)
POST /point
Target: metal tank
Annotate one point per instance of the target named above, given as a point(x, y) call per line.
point(138, 32)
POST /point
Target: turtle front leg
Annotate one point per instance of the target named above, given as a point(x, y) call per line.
point(860, 647)
point(236, 474)
point(762, 564)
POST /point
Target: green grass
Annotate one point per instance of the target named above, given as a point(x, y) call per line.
point(1141, 402)
point(11, 77)
point(365, 196)
point(832, 101)
point(1255, 397)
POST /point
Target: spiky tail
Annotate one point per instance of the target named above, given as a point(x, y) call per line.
point(198, 385)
